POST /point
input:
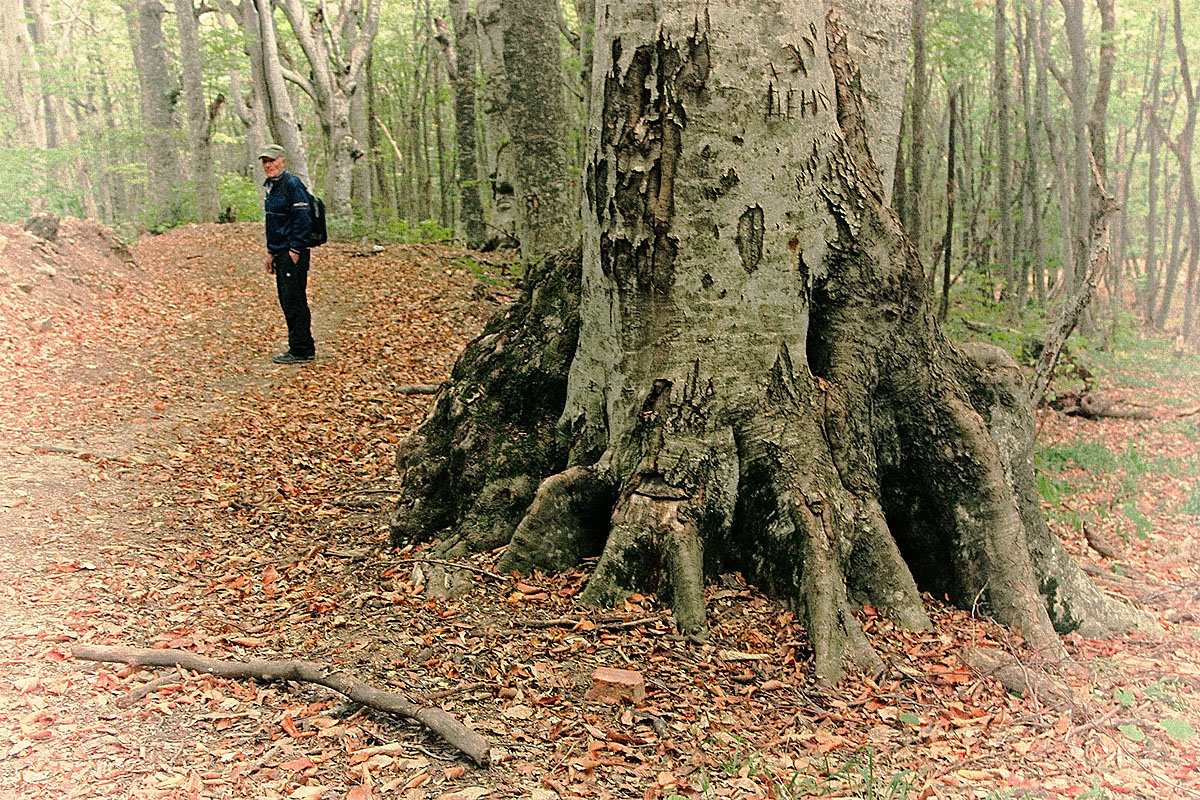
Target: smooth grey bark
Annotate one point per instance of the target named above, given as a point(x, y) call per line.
point(460, 49)
point(156, 102)
point(1002, 96)
point(1182, 147)
point(915, 200)
point(1150, 254)
point(536, 115)
point(497, 139)
point(336, 51)
point(1080, 151)
point(38, 18)
point(948, 240)
point(362, 168)
point(20, 75)
point(756, 379)
point(262, 44)
point(1033, 249)
point(208, 203)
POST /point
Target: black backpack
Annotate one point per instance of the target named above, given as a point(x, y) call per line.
point(317, 234)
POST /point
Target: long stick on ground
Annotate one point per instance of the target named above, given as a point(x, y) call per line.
point(460, 736)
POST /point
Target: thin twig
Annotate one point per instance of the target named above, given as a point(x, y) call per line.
point(454, 564)
point(569, 622)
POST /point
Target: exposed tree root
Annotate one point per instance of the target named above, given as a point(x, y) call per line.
point(1022, 679)
point(454, 732)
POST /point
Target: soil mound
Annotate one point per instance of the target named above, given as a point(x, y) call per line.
point(52, 269)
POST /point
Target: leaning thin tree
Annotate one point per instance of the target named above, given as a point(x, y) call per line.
point(746, 374)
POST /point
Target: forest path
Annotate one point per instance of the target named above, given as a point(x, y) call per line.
point(166, 485)
point(145, 424)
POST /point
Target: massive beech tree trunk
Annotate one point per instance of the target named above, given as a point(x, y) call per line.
point(755, 380)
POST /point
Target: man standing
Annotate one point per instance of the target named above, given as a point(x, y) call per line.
point(289, 219)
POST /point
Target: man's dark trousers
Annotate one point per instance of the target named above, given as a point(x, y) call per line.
point(291, 280)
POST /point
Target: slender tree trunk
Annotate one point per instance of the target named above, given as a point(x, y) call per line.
point(1080, 153)
point(916, 200)
point(537, 121)
point(262, 43)
point(948, 241)
point(1032, 271)
point(460, 61)
point(39, 29)
point(208, 203)
point(1004, 202)
point(384, 186)
point(445, 198)
point(1150, 255)
point(155, 83)
point(497, 139)
point(20, 76)
point(362, 166)
point(1174, 262)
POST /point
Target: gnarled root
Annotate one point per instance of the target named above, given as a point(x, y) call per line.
point(492, 434)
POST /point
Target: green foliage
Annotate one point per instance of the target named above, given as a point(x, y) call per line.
point(1191, 506)
point(21, 177)
point(241, 194)
point(489, 274)
point(1132, 732)
point(427, 230)
point(857, 777)
point(1071, 467)
point(1177, 728)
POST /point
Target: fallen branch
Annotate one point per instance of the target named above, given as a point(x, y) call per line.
point(1100, 543)
point(572, 622)
point(147, 688)
point(454, 732)
point(85, 455)
point(418, 388)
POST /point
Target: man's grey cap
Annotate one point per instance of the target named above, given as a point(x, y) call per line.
point(272, 151)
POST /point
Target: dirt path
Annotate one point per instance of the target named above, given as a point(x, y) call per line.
point(165, 485)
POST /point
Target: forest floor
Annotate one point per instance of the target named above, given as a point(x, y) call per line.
point(166, 486)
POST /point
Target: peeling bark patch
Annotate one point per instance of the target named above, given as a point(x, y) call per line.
point(750, 237)
point(657, 399)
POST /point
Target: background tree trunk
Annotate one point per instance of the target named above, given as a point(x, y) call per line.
point(157, 105)
point(1003, 94)
point(915, 199)
point(537, 121)
point(262, 44)
point(460, 59)
point(208, 203)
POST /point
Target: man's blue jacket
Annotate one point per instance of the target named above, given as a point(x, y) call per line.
point(289, 217)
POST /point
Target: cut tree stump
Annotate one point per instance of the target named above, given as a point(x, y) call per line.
point(454, 732)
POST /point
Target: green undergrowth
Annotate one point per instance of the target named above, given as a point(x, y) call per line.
point(858, 775)
point(1085, 482)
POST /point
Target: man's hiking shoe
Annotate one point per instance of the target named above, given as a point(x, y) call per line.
point(291, 358)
